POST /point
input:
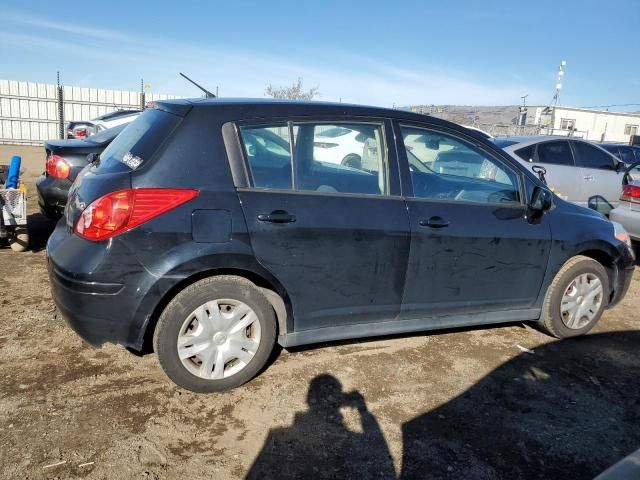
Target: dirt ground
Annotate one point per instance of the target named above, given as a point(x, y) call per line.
point(501, 402)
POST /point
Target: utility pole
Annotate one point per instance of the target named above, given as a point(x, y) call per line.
point(522, 115)
point(60, 92)
point(561, 71)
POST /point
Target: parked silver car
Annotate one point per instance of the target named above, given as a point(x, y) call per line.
point(577, 170)
point(627, 213)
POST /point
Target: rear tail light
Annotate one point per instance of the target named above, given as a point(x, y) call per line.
point(123, 210)
point(630, 193)
point(324, 144)
point(57, 166)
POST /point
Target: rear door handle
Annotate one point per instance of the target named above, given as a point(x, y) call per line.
point(278, 216)
point(434, 222)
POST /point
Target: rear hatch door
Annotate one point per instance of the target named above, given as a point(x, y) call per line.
point(131, 151)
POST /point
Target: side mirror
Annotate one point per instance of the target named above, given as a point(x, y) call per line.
point(541, 199)
point(620, 167)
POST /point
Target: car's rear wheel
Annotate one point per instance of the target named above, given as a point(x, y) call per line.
point(576, 298)
point(216, 334)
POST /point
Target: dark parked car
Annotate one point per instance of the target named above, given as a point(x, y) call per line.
point(64, 160)
point(199, 233)
point(627, 153)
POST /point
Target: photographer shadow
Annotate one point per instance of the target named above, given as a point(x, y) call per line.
point(319, 445)
point(567, 408)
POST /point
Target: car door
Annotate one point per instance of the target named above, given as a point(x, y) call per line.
point(473, 249)
point(336, 237)
point(600, 180)
point(562, 174)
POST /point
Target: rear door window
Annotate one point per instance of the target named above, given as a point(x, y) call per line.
point(555, 153)
point(268, 155)
point(589, 156)
point(138, 142)
point(328, 157)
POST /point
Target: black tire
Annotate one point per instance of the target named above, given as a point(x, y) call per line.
point(551, 321)
point(19, 240)
point(352, 160)
point(172, 318)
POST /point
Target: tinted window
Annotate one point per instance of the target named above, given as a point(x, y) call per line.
point(636, 151)
point(138, 142)
point(556, 153)
point(447, 168)
point(589, 156)
point(526, 153)
point(268, 155)
point(354, 161)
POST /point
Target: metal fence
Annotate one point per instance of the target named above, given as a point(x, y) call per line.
point(32, 112)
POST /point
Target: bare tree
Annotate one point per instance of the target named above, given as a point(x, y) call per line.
point(294, 92)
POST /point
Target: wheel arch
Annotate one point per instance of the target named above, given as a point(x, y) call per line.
point(607, 261)
point(268, 285)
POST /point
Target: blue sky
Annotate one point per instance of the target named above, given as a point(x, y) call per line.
point(383, 53)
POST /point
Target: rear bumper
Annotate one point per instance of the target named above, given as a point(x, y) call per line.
point(99, 304)
point(629, 219)
point(52, 194)
point(90, 308)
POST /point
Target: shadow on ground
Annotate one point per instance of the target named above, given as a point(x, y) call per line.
point(570, 409)
point(40, 228)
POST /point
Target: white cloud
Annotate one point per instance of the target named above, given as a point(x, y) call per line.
point(24, 19)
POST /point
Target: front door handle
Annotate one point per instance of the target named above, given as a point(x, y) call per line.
point(277, 216)
point(434, 222)
point(588, 177)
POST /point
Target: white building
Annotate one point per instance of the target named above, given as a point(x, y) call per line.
point(596, 125)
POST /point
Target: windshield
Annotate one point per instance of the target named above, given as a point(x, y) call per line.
point(106, 135)
point(137, 142)
point(333, 132)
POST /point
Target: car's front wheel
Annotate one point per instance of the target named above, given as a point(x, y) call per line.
point(576, 298)
point(216, 334)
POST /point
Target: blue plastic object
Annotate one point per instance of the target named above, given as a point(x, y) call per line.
point(14, 172)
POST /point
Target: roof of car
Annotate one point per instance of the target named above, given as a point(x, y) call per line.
point(271, 107)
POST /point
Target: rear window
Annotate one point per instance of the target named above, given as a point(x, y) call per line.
point(106, 135)
point(137, 143)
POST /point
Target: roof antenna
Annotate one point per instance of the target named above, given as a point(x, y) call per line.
point(207, 93)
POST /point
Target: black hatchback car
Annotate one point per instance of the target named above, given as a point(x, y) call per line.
point(64, 160)
point(209, 230)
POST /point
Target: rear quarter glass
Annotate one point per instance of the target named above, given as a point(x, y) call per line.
point(138, 142)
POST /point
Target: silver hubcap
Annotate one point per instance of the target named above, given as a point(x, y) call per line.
point(581, 301)
point(219, 338)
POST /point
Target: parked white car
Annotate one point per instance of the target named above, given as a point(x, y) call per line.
point(577, 170)
point(339, 145)
point(86, 128)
